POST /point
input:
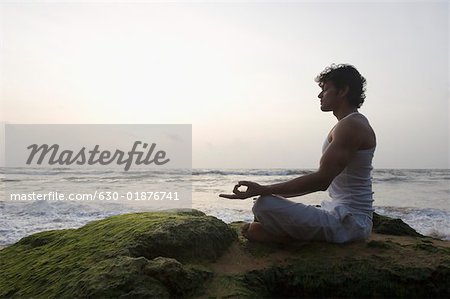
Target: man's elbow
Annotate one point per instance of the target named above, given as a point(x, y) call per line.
point(324, 186)
point(324, 182)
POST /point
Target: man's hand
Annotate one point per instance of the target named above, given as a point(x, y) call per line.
point(253, 189)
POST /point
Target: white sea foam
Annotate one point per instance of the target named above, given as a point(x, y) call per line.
point(19, 219)
point(418, 197)
point(429, 222)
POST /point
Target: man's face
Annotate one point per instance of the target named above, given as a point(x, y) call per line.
point(328, 96)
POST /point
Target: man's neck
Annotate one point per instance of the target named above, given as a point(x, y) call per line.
point(341, 113)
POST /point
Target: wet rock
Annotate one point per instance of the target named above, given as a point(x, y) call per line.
point(392, 226)
point(186, 253)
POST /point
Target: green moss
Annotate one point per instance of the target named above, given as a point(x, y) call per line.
point(236, 225)
point(390, 226)
point(228, 286)
point(426, 247)
point(138, 277)
point(356, 279)
point(169, 254)
point(112, 257)
point(380, 244)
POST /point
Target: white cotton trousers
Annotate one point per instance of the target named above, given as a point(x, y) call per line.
point(332, 222)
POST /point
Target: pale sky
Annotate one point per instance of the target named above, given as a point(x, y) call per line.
point(241, 72)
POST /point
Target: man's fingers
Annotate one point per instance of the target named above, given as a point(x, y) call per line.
point(238, 194)
point(236, 188)
point(229, 196)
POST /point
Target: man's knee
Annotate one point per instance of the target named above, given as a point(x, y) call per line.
point(262, 204)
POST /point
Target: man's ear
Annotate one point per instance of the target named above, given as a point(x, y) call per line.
point(343, 92)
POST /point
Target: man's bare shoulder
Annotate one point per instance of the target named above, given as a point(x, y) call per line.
point(356, 128)
point(356, 121)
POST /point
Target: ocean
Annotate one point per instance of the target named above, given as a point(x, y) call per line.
point(419, 197)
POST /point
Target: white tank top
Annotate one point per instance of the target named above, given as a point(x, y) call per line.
point(353, 186)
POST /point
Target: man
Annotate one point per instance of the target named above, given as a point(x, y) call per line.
point(345, 171)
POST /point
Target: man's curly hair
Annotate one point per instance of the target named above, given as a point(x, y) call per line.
point(342, 75)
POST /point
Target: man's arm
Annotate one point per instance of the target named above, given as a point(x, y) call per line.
point(345, 142)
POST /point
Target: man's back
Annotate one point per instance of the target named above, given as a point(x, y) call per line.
point(353, 186)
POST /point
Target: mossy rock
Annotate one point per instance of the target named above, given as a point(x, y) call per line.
point(141, 255)
point(176, 254)
point(354, 279)
point(400, 263)
point(392, 226)
point(128, 277)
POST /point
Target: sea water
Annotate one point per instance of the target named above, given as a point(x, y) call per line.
point(421, 198)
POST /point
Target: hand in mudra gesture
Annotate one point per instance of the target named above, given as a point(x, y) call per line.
point(253, 189)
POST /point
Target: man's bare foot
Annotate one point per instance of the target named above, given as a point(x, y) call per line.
point(255, 232)
point(244, 229)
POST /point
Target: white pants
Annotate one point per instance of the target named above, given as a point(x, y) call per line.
point(331, 223)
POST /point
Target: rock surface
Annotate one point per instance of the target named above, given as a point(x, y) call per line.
point(142, 255)
point(188, 254)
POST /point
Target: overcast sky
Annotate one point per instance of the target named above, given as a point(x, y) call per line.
point(241, 72)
